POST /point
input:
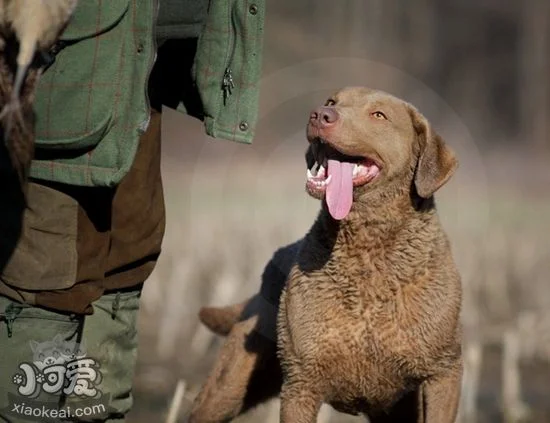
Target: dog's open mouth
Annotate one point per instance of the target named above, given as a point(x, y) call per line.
point(334, 175)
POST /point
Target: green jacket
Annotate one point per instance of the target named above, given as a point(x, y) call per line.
point(92, 103)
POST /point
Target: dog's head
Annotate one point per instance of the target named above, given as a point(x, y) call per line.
point(363, 142)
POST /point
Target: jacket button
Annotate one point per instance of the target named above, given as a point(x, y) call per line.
point(243, 126)
point(140, 48)
point(253, 9)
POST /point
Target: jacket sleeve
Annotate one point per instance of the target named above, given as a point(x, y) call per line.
point(227, 68)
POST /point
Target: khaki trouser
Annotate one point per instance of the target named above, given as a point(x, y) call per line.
point(64, 367)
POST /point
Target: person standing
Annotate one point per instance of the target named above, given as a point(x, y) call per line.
point(77, 249)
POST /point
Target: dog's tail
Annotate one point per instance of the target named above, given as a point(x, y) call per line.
point(221, 320)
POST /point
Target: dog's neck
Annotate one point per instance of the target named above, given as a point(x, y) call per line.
point(377, 217)
point(383, 210)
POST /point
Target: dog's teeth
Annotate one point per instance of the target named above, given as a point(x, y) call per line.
point(321, 171)
point(309, 174)
point(355, 170)
point(324, 182)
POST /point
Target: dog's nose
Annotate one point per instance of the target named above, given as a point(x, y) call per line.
point(323, 117)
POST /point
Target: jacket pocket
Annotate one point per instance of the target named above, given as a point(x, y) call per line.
point(45, 258)
point(75, 96)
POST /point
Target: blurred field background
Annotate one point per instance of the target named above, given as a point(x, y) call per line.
point(479, 70)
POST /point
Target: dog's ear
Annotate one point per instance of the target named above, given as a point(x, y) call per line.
point(436, 161)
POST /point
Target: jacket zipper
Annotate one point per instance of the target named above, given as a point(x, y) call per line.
point(227, 81)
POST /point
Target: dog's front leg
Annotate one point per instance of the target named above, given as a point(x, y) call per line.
point(440, 397)
point(299, 403)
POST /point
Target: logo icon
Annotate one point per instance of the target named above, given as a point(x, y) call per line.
point(59, 367)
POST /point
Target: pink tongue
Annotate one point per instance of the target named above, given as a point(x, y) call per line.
point(340, 188)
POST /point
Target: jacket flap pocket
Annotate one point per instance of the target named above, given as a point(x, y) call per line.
point(83, 141)
point(75, 97)
point(93, 17)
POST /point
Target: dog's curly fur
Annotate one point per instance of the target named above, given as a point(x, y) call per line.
point(367, 308)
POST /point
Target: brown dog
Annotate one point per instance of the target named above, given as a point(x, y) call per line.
point(368, 319)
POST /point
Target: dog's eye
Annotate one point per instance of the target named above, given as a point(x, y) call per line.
point(330, 102)
point(379, 115)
